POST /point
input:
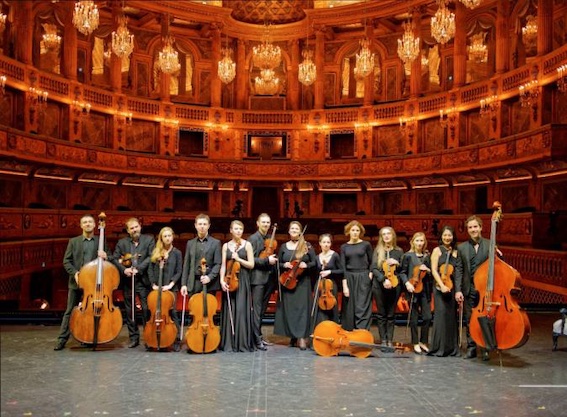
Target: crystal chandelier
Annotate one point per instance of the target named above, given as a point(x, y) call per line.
point(408, 46)
point(85, 16)
point(529, 32)
point(364, 60)
point(226, 67)
point(2, 21)
point(471, 4)
point(267, 84)
point(266, 55)
point(478, 51)
point(307, 69)
point(51, 40)
point(122, 40)
point(168, 58)
point(443, 23)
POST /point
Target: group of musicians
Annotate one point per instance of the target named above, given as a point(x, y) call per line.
point(307, 282)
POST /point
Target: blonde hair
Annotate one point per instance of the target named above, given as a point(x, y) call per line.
point(412, 242)
point(159, 250)
point(356, 223)
point(381, 246)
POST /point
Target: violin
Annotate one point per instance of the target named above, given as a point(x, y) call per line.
point(160, 331)
point(96, 320)
point(329, 339)
point(445, 271)
point(498, 322)
point(232, 271)
point(128, 259)
point(417, 277)
point(270, 244)
point(288, 279)
point(390, 272)
point(327, 300)
point(203, 336)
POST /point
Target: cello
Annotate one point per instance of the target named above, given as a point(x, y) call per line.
point(203, 336)
point(96, 320)
point(498, 322)
point(160, 331)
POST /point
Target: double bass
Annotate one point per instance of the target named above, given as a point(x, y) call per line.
point(498, 322)
point(160, 331)
point(203, 336)
point(96, 320)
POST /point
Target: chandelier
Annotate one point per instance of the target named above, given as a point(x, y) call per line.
point(307, 69)
point(364, 60)
point(471, 4)
point(529, 92)
point(443, 23)
point(408, 46)
point(562, 78)
point(226, 67)
point(85, 16)
point(267, 84)
point(529, 32)
point(168, 58)
point(2, 21)
point(478, 51)
point(51, 40)
point(266, 55)
point(122, 40)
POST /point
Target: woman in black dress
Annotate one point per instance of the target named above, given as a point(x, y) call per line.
point(294, 308)
point(386, 294)
point(356, 258)
point(236, 321)
point(445, 329)
point(329, 267)
point(415, 262)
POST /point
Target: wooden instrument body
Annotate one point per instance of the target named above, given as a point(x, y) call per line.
point(390, 273)
point(327, 299)
point(231, 277)
point(445, 271)
point(270, 245)
point(203, 336)
point(417, 279)
point(288, 279)
point(329, 339)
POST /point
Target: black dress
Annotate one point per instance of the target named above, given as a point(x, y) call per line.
point(241, 306)
point(357, 308)
point(336, 276)
point(445, 322)
point(294, 309)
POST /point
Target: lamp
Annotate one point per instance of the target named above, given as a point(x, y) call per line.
point(443, 23)
point(266, 55)
point(408, 46)
point(226, 66)
point(448, 118)
point(51, 40)
point(2, 21)
point(85, 16)
point(168, 58)
point(561, 81)
point(529, 92)
point(471, 4)
point(81, 108)
point(529, 32)
point(307, 69)
point(122, 40)
point(364, 60)
point(489, 106)
point(3, 79)
point(478, 51)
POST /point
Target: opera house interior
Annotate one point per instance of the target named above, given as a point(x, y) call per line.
point(411, 114)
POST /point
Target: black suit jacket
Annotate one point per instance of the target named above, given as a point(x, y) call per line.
point(262, 268)
point(143, 252)
point(211, 251)
point(471, 261)
point(73, 258)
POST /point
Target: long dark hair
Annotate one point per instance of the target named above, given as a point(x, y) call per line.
point(450, 229)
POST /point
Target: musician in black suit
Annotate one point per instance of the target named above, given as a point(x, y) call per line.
point(473, 253)
point(263, 280)
point(80, 251)
point(203, 246)
point(139, 247)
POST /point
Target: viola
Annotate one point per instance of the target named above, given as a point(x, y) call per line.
point(445, 271)
point(327, 300)
point(417, 277)
point(96, 320)
point(288, 279)
point(498, 322)
point(390, 273)
point(270, 244)
point(203, 336)
point(330, 339)
point(160, 331)
point(232, 271)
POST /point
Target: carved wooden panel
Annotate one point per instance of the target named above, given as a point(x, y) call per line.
point(554, 196)
point(339, 203)
point(141, 136)
point(386, 203)
point(142, 79)
point(205, 88)
point(520, 118)
point(467, 201)
point(430, 202)
point(96, 197)
point(330, 88)
point(95, 129)
point(391, 83)
point(51, 195)
point(50, 123)
point(140, 199)
point(6, 106)
point(479, 128)
point(515, 197)
point(10, 193)
point(388, 141)
point(190, 201)
point(433, 136)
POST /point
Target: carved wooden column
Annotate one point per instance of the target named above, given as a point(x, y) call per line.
point(319, 85)
point(502, 36)
point(292, 96)
point(544, 26)
point(69, 44)
point(460, 46)
point(215, 58)
point(23, 23)
point(241, 75)
point(415, 77)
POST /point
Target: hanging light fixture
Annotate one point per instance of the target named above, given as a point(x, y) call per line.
point(51, 40)
point(529, 32)
point(266, 55)
point(226, 67)
point(267, 84)
point(2, 21)
point(85, 16)
point(364, 60)
point(478, 51)
point(307, 69)
point(408, 46)
point(471, 4)
point(443, 23)
point(122, 40)
point(168, 58)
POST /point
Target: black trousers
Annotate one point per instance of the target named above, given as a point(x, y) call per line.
point(142, 290)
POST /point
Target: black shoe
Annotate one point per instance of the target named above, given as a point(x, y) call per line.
point(293, 342)
point(176, 347)
point(471, 353)
point(485, 355)
point(60, 345)
point(134, 343)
